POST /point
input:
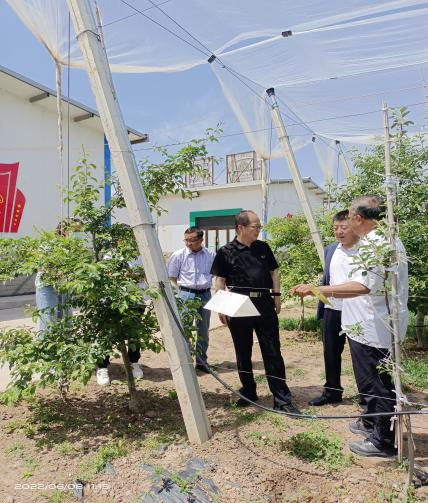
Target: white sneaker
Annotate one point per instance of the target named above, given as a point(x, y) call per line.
point(103, 378)
point(137, 371)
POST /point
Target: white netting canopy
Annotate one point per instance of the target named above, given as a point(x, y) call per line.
point(331, 63)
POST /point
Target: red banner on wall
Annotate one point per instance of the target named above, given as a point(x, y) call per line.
point(12, 200)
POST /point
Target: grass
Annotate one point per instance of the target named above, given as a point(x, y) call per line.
point(16, 449)
point(311, 324)
point(347, 371)
point(316, 446)
point(415, 372)
point(297, 373)
point(154, 441)
point(14, 425)
point(66, 448)
point(275, 420)
point(243, 417)
point(411, 330)
point(56, 496)
point(105, 454)
point(260, 439)
point(184, 485)
point(261, 378)
point(393, 496)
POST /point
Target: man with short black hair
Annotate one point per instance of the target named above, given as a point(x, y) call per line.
point(365, 319)
point(336, 271)
point(189, 271)
point(247, 266)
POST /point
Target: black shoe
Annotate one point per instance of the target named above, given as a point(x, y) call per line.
point(244, 403)
point(324, 400)
point(287, 407)
point(202, 368)
point(359, 428)
point(368, 449)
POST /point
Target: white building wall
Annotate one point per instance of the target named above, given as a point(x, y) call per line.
point(282, 199)
point(28, 135)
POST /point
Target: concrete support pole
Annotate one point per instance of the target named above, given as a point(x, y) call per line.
point(394, 314)
point(295, 173)
point(183, 372)
point(264, 179)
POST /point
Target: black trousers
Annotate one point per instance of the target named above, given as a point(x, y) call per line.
point(377, 389)
point(134, 356)
point(333, 348)
point(267, 330)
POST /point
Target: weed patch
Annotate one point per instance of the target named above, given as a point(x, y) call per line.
point(97, 463)
point(275, 420)
point(415, 372)
point(156, 441)
point(311, 324)
point(316, 446)
point(66, 448)
point(260, 439)
point(244, 417)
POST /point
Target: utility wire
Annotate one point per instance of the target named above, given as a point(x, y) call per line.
point(310, 133)
point(269, 409)
point(236, 74)
point(355, 97)
point(131, 15)
point(165, 28)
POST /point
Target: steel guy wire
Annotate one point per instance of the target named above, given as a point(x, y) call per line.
point(230, 369)
point(236, 74)
point(131, 15)
point(269, 409)
point(210, 52)
point(356, 97)
point(171, 32)
point(249, 132)
point(233, 72)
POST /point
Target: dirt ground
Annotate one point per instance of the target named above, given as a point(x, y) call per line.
point(50, 442)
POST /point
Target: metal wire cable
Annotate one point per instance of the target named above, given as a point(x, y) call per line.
point(165, 28)
point(261, 130)
point(269, 409)
point(131, 15)
point(236, 74)
point(214, 366)
point(356, 97)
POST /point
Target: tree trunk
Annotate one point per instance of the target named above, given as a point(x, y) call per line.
point(420, 322)
point(134, 403)
point(302, 316)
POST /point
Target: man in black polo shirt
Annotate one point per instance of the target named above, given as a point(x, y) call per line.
point(248, 266)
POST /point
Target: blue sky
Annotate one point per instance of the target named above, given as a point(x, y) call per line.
point(171, 107)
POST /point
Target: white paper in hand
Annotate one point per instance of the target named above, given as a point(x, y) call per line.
point(231, 304)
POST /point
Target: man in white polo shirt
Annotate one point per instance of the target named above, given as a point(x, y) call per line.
point(336, 271)
point(366, 321)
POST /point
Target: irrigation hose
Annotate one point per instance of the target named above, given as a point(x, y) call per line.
point(270, 409)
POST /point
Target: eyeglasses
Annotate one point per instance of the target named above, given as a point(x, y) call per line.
point(255, 226)
point(194, 240)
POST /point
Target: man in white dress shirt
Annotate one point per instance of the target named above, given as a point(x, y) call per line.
point(336, 271)
point(189, 271)
point(366, 321)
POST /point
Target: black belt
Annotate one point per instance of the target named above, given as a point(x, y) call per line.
point(194, 290)
point(256, 294)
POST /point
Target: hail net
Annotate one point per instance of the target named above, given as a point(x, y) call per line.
point(331, 63)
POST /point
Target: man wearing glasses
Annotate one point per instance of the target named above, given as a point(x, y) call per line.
point(248, 266)
point(189, 271)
